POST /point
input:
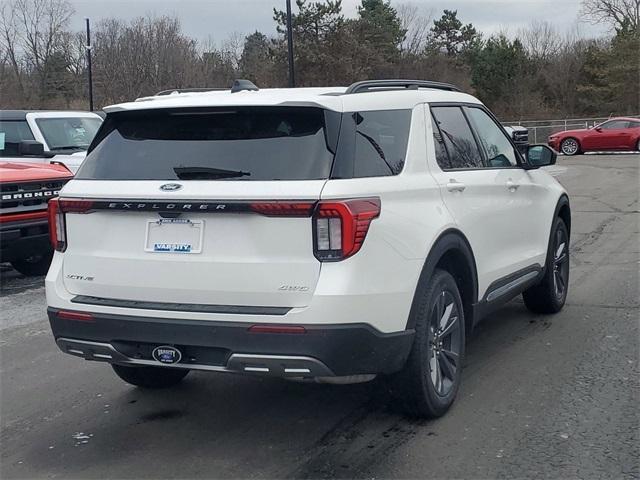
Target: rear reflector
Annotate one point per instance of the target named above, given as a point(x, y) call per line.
point(277, 329)
point(77, 316)
point(340, 227)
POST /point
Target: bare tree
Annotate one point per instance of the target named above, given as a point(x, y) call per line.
point(416, 24)
point(620, 14)
point(33, 34)
point(142, 57)
point(541, 40)
point(8, 43)
point(233, 45)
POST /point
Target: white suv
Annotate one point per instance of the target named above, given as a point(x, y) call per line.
point(327, 233)
point(42, 136)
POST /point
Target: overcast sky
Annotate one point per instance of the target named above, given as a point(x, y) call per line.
point(217, 19)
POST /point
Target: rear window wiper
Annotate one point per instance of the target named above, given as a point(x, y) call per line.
point(207, 173)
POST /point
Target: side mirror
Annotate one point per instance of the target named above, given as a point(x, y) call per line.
point(540, 156)
point(598, 129)
point(30, 148)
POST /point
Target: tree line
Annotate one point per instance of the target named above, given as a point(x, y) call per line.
point(538, 72)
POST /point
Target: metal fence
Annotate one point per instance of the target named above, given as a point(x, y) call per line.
point(539, 130)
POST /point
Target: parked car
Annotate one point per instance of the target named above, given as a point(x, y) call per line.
point(25, 189)
point(327, 233)
point(46, 136)
point(614, 134)
point(520, 137)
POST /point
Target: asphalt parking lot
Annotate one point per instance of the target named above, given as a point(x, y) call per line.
point(542, 396)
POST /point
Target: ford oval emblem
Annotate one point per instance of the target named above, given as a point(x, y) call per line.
point(166, 354)
point(170, 187)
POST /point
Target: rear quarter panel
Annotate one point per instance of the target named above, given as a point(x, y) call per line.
point(397, 244)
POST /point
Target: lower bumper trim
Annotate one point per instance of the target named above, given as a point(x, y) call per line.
point(276, 365)
point(341, 349)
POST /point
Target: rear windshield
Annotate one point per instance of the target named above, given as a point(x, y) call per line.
point(257, 143)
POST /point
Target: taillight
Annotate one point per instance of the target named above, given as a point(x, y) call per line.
point(283, 209)
point(75, 206)
point(57, 222)
point(340, 227)
point(57, 232)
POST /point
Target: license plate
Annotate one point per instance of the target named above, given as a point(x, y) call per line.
point(174, 235)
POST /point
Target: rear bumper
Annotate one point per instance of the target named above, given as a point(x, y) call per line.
point(24, 238)
point(324, 350)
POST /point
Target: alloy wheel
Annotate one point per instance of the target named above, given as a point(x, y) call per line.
point(569, 146)
point(444, 343)
point(560, 263)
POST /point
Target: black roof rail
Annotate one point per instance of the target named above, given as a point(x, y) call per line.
point(188, 90)
point(373, 85)
point(240, 85)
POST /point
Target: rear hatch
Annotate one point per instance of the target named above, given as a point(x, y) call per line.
point(200, 206)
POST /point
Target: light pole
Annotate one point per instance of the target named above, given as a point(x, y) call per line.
point(88, 47)
point(292, 75)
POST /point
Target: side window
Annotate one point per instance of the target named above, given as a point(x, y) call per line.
point(381, 142)
point(614, 125)
point(634, 124)
point(458, 139)
point(497, 147)
point(442, 157)
point(11, 134)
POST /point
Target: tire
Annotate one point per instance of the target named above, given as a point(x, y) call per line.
point(550, 294)
point(429, 382)
point(150, 377)
point(570, 146)
point(33, 266)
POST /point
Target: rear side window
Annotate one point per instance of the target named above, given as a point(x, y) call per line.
point(458, 138)
point(372, 143)
point(248, 143)
point(11, 134)
point(381, 142)
point(442, 157)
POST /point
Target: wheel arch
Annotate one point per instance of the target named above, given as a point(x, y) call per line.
point(451, 252)
point(563, 210)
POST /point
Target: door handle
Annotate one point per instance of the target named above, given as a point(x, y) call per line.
point(512, 186)
point(454, 186)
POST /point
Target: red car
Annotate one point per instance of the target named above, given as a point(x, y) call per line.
point(614, 134)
